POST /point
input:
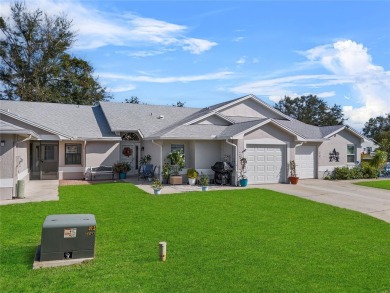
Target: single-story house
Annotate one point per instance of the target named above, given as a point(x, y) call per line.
point(59, 141)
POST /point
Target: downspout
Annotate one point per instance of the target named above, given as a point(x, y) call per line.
point(85, 158)
point(294, 154)
point(235, 160)
point(16, 164)
point(159, 168)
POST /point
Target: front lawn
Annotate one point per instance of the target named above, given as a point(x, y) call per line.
point(241, 240)
point(383, 184)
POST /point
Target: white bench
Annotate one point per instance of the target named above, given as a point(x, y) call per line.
point(92, 172)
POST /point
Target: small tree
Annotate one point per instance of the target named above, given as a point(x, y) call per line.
point(177, 161)
point(243, 162)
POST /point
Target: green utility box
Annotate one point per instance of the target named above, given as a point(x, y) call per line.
point(69, 236)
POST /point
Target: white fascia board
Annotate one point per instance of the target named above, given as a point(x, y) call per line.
point(298, 137)
point(99, 139)
point(208, 115)
point(335, 132)
point(21, 132)
point(254, 98)
point(362, 137)
point(241, 134)
point(212, 137)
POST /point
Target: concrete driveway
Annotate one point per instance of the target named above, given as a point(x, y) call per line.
point(344, 194)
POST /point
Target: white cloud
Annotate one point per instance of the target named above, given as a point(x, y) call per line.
point(197, 46)
point(242, 60)
point(326, 94)
point(371, 83)
point(283, 85)
point(121, 89)
point(191, 78)
point(238, 39)
point(349, 64)
point(98, 29)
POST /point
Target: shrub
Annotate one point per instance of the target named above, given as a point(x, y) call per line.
point(192, 173)
point(341, 173)
point(369, 172)
point(358, 172)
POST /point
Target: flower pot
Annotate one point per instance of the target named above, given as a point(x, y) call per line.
point(191, 181)
point(157, 191)
point(293, 180)
point(205, 188)
point(122, 175)
point(244, 182)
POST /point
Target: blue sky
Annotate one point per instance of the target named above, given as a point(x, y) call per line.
point(206, 52)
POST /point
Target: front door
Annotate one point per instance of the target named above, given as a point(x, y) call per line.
point(44, 161)
point(130, 154)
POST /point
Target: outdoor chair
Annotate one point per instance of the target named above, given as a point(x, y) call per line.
point(147, 171)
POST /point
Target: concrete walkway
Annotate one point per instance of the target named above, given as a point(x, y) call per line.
point(35, 191)
point(344, 194)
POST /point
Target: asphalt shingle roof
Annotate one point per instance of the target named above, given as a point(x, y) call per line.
point(69, 120)
point(146, 118)
point(153, 121)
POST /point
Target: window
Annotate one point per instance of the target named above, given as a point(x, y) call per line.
point(177, 147)
point(350, 153)
point(48, 153)
point(72, 154)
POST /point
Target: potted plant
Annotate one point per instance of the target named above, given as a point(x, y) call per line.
point(293, 172)
point(243, 178)
point(157, 186)
point(192, 175)
point(177, 164)
point(145, 159)
point(166, 171)
point(121, 168)
point(204, 181)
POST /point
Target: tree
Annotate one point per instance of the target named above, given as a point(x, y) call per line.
point(179, 104)
point(311, 110)
point(375, 126)
point(34, 65)
point(132, 100)
point(378, 129)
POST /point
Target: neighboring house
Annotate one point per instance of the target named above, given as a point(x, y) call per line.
point(56, 141)
point(369, 146)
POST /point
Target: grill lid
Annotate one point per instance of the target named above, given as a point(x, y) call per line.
point(222, 167)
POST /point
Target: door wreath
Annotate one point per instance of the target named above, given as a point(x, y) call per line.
point(127, 151)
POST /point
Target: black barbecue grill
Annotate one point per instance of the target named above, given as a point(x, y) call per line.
point(222, 172)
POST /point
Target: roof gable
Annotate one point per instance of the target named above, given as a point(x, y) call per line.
point(250, 106)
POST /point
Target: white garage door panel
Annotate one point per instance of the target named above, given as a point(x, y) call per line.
point(265, 163)
point(305, 161)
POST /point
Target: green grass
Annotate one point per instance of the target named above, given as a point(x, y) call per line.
point(242, 240)
point(383, 184)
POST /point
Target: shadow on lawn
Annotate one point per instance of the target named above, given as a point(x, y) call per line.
point(19, 255)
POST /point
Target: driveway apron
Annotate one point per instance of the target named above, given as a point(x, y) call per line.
point(344, 194)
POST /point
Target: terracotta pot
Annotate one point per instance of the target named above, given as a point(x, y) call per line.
point(293, 180)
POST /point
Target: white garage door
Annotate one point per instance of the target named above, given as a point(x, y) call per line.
point(305, 161)
point(265, 163)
